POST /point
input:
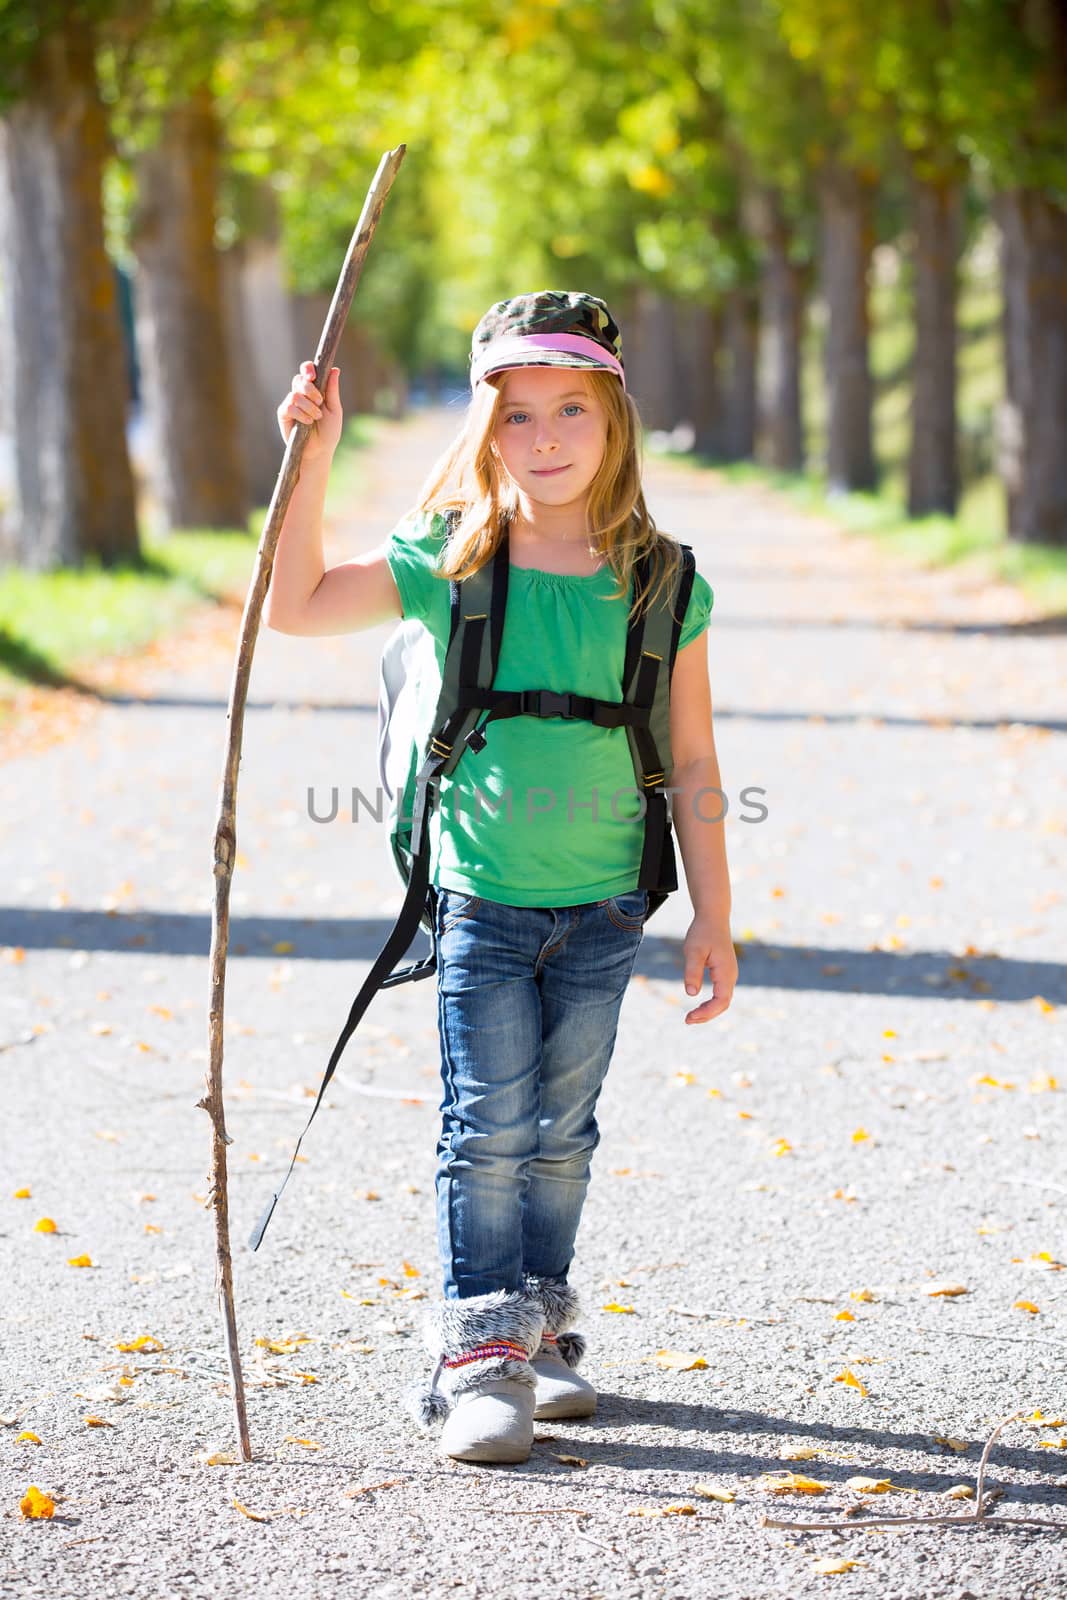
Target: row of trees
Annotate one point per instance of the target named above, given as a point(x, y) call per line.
point(713, 168)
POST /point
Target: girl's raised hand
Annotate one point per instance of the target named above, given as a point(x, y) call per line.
point(306, 403)
point(708, 944)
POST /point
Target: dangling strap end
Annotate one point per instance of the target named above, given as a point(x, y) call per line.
point(255, 1238)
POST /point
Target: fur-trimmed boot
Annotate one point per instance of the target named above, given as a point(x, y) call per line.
point(560, 1391)
point(483, 1387)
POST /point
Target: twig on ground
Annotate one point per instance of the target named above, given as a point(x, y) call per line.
point(974, 1519)
point(739, 1316)
point(541, 1511)
point(1035, 1183)
point(609, 1549)
point(979, 1508)
point(999, 1338)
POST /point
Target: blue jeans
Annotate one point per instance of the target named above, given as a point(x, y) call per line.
point(528, 1006)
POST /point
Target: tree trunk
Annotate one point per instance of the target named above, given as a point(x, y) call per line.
point(780, 408)
point(73, 492)
point(933, 470)
point(699, 388)
point(1032, 424)
point(846, 205)
point(198, 477)
point(650, 359)
point(367, 373)
point(256, 297)
point(741, 318)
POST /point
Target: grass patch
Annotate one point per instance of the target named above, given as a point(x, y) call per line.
point(53, 623)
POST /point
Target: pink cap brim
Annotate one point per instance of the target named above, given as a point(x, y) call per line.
point(520, 351)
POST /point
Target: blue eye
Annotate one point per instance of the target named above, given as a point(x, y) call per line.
point(523, 416)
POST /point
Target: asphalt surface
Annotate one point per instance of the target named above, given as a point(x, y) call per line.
point(880, 1112)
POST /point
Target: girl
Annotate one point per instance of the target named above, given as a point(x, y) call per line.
point(539, 922)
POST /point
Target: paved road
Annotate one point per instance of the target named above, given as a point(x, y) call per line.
point(875, 1114)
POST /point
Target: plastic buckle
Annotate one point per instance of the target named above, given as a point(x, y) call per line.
point(552, 704)
point(475, 739)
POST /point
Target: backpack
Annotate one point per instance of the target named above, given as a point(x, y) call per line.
point(411, 760)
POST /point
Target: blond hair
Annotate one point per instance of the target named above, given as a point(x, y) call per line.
point(619, 524)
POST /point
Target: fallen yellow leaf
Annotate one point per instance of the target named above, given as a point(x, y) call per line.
point(613, 1305)
point(572, 1461)
point(1044, 1083)
point(678, 1360)
point(1052, 1444)
point(147, 1341)
point(960, 1446)
point(844, 1316)
point(945, 1290)
point(959, 1491)
point(97, 1422)
point(860, 1136)
point(26, 1437)
point(79, 1261)
point(216, 1458)
point(308, 1444)
point(792, 1483)
point(828, 1565)
point(877, 1486)
point(35, 1503)
point(679, 1511)
point(804, 1452)
point(45, 1225)
point(1025, 1305)
point(862, 1294)
point(254, 1516)
point(712, 1491)
point(410, 1271)
point(22, 1194)
point(851, 1380)
point(781, 1147)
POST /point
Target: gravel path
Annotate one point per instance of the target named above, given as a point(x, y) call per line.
point(776, 1193)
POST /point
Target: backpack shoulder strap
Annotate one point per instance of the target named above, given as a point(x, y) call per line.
point(651, 648)
point(478, 605)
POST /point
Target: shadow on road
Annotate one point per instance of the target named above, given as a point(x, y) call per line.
point(830, 969)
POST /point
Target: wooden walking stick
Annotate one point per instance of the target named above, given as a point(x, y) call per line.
point(226, 826)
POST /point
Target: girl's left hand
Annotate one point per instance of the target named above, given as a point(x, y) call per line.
point(709, 944)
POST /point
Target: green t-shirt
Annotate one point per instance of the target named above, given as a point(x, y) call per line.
point(516, 821)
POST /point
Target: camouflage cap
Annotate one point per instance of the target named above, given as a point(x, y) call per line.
point(553, 328)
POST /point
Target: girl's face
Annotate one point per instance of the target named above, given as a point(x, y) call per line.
point(550, 433)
